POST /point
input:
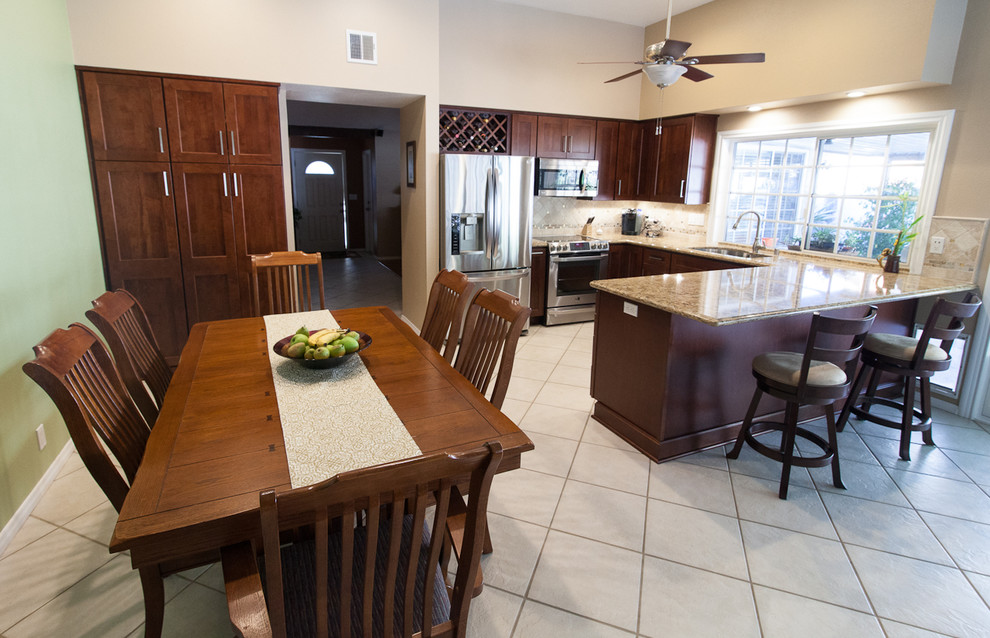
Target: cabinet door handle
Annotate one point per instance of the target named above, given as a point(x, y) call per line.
point(620, 189)
point(161, 142)
point(225, 184)
point(682, 189)
point(235, 184)
point(165, 180)
point(221, 142)
point(233, 151)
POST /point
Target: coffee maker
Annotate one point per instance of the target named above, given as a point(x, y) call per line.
point(632, 222)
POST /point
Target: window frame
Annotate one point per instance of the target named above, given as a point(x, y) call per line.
point(937, 123)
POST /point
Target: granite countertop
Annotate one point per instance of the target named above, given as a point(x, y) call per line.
point(785, 285)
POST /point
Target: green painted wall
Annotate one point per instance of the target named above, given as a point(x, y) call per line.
point(51, 266)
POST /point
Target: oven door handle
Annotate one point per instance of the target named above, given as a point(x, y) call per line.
point(580, 258)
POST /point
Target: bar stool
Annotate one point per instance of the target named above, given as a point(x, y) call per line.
point(909, 358)
point(820, 376)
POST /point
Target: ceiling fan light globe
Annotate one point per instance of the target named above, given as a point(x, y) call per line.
point(664, 74)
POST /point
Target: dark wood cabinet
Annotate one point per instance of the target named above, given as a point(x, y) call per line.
point(523, 135)
point(538, 283)
point(141, 244)
point(177, 232)
point(686, 158)
point(606, 150)
point(126, 117)
point(221, 122)
point(655, 261)
point(566, 137)
point(635, 167)
point(680, 263)
point(625, 260)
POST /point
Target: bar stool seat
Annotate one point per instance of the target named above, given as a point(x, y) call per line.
point(820, 376)
point(909, 359)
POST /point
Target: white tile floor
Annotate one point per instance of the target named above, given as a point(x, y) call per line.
point(592, 539)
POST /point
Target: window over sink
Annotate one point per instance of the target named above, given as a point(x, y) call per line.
point(842, 189)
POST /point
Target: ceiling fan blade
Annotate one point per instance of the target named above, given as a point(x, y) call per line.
point(673, 48)
point(622, 62)
point(623, 77)
point(726, 59)
point(696, 74)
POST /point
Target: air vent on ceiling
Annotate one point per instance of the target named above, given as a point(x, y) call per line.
point(362, 47)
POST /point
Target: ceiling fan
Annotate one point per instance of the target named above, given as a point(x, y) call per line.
point(665, 61)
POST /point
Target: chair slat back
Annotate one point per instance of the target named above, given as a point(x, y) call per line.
point(121, 320)
point(360, 516)
point(491, 331)
point(76, 371)
point(283, 282)
point(445, 311)
point(823, 344)
point(945, 323)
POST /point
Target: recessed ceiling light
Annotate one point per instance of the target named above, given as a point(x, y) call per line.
point(754, 108)
point(855, 93)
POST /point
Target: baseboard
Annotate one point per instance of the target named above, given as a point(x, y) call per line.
point(410, 323)
point(20, 517)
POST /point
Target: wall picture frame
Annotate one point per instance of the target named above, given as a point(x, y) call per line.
point(411, 163)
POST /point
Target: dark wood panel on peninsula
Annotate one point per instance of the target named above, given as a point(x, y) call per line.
point(672, 385)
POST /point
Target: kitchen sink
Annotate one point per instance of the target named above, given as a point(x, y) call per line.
point(730, 252)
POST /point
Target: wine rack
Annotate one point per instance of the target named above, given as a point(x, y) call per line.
point(463, 131)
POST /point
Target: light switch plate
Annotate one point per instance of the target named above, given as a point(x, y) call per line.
point(696, 219)
point(937, 245)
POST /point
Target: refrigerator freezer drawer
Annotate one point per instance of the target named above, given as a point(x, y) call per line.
point(515, 282)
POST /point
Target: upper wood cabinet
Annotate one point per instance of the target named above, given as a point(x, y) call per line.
point(218, 122)
point(606, 151)
point(524, 128)
point(635, 165)
point(566, 137)
point(126, 117)
point(686, 156)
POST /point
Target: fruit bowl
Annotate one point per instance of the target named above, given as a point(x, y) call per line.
point(364, 341)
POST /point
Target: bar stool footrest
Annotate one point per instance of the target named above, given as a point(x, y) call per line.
point(919, 423)
point(800, 461)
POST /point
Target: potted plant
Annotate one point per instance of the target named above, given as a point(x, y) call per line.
point(890, 258)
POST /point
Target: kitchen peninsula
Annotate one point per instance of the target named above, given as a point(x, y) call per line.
point(672, 353)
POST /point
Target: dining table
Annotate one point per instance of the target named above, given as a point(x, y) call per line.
point(218, 440)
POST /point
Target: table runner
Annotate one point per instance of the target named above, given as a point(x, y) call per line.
point(333, 420)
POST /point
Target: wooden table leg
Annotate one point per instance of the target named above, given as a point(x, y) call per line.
point(154, 600)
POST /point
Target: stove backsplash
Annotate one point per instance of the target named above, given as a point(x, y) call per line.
point(567, 216)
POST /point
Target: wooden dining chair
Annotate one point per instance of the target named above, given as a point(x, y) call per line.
point(282, 282)
point(372, 565)
point(124, 325)
point(445, 312)
point(491, 331)
point(75, 369)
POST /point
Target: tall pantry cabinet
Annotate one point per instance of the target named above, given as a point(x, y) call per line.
point(188, 180)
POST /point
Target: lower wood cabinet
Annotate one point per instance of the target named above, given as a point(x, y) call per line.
point(625, 260)
point(680, 262)
point(655, 261)
point(538, 284)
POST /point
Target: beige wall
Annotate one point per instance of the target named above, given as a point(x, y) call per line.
point(51, 252)
point(507, 56)
point(813, 48)
point(967, 166)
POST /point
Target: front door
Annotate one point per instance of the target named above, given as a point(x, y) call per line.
point(319, 199)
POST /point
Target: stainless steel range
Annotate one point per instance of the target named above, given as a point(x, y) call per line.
point(575, 261)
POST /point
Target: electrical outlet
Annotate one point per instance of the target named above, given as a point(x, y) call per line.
point(937, 245)
point(42, 441)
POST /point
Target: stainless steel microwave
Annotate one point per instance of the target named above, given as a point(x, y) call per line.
point(566, 178)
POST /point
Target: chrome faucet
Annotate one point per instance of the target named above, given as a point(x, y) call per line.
point(759, 226)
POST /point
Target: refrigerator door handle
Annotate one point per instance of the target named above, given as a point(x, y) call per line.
point(489, 215)
point(497, 216)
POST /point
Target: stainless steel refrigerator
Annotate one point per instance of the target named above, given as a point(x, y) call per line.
point(486, 207)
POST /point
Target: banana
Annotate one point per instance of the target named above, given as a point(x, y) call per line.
point(328, 336)
point(316, 335)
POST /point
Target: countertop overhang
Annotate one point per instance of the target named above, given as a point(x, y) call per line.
point(777, 286)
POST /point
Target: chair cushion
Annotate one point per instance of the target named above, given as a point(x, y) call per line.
point(900, 347)
point(300, 585)
point(785, 367)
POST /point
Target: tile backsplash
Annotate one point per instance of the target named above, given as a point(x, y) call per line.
point(964, 240)
point(567, 216)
